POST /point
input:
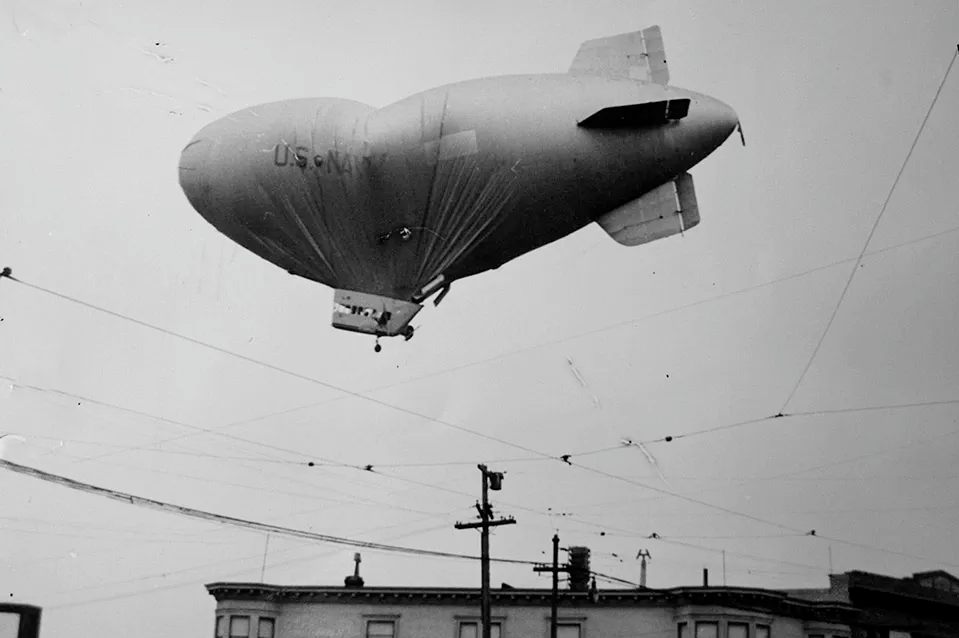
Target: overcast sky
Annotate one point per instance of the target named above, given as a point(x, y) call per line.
point(570, 349)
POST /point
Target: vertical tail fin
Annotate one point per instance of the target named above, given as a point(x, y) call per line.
point(639, 55)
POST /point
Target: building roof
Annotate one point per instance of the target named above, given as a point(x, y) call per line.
point(905, 588)
point(762, 600)
point(936, 573)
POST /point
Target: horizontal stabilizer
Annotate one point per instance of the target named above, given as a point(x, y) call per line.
point(666, 210)
point(634, 115)
point(639, 55)
point(372, 314)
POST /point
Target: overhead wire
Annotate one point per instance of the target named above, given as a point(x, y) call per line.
point(269, 366)
point(954, 505)
point(428, 485)
point(189, 512)
point(867, 408)
point(307, 460)
point(574, 519)
point(622, 446)
point(754, 421)
point(738, 424)
point(587, 468)
point(688, 499)
point(258, 555)
point(359, 395)
point(448, 370)
point(520, 459)
point(756, 557)
point(614, 579)
point(597, 471)
point(872, 231)
point(860, 457)
point(669, 438)
point(165, 574)
point(279, 448)
point(97, 526)
point(654, 315)
point(111, 548)
point(532, 458)
point(162, 419)
point(374, 470)
point(790, 475)
point(232, 424)
point(234, 560)
point(737, 536)
point(884, 550)
point(313, 462)
point(354, 499)
point(636, 483)
point(161, 451)
point(215, 431)
point(349, 498)
point(445, 371)
point(256, 488)
point(113, 538)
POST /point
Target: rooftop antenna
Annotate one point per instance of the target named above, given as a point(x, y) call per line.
point(643, 555)
point(355, 580)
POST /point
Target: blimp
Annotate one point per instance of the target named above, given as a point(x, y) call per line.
point(389, 206)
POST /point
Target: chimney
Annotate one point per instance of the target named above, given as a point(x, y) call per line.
point(705, 577)
point(578, 569)
point(354, 580)
point(643, 554)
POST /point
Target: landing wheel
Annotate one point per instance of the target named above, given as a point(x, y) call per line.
point(408, 333)
point(377, 347)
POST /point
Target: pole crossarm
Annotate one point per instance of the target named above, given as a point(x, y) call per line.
point(494, 481)
point(477, 524)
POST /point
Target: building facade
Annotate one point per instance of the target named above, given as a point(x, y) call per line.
point(250, 610)
point(925, 605)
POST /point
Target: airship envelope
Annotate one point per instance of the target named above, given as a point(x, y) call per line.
point(389, 205)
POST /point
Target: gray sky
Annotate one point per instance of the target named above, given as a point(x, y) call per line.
point(98, 98)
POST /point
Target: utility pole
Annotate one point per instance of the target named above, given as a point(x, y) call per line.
point(491, 481)
point(554, 598)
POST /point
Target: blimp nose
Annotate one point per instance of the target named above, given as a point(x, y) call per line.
point(723, 119)
point(193, 165)
point(711, 120)
point(194, 154)
point(217, 165)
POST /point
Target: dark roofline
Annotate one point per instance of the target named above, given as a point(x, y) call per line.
point(770, 601)
point(934, 573)
point(906, 588)
point(19, 608)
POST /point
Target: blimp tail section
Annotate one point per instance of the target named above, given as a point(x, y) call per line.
point(638, 55)
point(666, 210)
